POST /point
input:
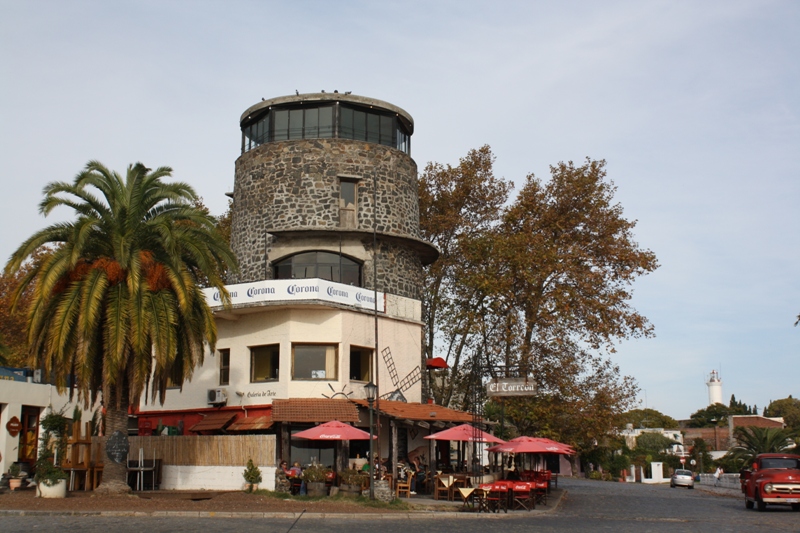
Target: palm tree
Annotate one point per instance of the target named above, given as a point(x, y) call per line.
point(116, 305)
point(751, 441)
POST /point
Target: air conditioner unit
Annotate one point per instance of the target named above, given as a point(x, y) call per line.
point(217, 396)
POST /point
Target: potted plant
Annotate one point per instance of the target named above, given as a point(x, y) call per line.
point(15, 478)
point(252, 476)
point(51, 480)
point(315, 477)
point(351, 480)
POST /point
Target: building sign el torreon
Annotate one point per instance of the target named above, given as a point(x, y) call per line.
point(511, 387)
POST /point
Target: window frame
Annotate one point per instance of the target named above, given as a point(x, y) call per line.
point(370, 358)
point(224, 366)
point(328, 365)
point(276, 368)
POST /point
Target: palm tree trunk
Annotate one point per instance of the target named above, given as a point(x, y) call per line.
point(115, 475)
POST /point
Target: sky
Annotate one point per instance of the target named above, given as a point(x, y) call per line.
point(695, 106)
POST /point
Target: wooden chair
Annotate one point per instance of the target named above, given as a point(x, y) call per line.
point(443, 486)
point(404, 486)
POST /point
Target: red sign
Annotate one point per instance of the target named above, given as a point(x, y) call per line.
point(683, 460)
point(14, 426)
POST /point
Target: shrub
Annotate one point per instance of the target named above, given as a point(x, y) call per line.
point(252, 474)
point(316, 474)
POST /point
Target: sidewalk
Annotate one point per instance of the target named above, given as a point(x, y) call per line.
point(242, 505)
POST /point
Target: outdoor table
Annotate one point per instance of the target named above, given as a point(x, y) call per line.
point(466, 496)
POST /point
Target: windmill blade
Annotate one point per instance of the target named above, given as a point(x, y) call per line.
point(412, 377)
point(389, 360)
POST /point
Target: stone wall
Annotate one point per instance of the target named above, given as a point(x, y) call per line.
point(294, 186)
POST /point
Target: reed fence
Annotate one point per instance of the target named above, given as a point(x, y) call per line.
point(201, 450)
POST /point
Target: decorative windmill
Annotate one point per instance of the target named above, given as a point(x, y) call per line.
point(400, 385)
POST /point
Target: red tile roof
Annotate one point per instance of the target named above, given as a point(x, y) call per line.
point(427, 412)
point(251, 423)
point(313, 410)
point(214, 421)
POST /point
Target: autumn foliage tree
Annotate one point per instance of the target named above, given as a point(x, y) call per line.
point(538, 287)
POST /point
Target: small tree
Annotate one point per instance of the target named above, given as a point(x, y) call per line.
point(251, 474)
point(52, 447)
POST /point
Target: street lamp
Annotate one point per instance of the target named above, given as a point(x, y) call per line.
point(371, 390)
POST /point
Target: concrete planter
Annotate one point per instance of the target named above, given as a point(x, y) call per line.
point(59, 490)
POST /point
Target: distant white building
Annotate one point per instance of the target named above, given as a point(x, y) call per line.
point(677, 448)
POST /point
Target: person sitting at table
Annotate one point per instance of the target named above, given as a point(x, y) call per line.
point(295, 470)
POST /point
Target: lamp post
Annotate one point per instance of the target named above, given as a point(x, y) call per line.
point(371, 390)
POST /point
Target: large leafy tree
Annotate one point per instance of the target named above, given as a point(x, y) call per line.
point(117, 304)
point(708, 417)
point(647, 418)
point(789, 409)
point(538, 287)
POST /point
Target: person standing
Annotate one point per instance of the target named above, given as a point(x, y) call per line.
point(718, 476)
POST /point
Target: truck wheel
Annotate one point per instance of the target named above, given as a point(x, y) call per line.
point(760, 505)
point(748, 504)
point(796, 507)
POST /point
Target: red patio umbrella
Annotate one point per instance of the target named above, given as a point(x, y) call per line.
point(532, 445)
point(334, 430)
point(436, 362)
point(466, 433)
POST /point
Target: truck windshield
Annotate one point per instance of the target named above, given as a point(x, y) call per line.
point(779, 463)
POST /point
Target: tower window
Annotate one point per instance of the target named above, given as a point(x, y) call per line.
point(322, 265)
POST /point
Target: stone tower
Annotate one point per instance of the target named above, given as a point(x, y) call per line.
point(321, 178)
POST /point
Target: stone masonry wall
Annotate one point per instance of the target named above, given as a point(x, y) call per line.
point(294, 185)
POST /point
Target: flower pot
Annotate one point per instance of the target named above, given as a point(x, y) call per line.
point(316, 489)
point(58, 490)
point(250, 487)
point(15, 483)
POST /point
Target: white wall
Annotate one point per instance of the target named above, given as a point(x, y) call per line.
point(15, 394)
point(313, 324)
point(211, 478)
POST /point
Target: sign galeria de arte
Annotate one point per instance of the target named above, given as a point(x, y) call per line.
point(292, 290)
point(511, 387)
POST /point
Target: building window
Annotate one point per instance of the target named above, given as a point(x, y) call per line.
point(326, 121)
point(360, 364)
point(224, 367)
point(322, 265)
point(264, 363)
point(348, 196)
point(314, 361)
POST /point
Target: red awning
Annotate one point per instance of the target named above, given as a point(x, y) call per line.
point(214, 421)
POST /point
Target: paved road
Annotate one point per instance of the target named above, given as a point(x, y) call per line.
point(587, 506)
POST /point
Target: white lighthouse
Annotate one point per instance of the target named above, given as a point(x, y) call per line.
point(714, 388)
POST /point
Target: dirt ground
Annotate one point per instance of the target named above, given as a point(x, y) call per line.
point(202, 501)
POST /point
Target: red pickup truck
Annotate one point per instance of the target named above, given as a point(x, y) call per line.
point(774, 479)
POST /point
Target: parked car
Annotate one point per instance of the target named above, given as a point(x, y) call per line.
point(682, 478)
point(774, 479)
